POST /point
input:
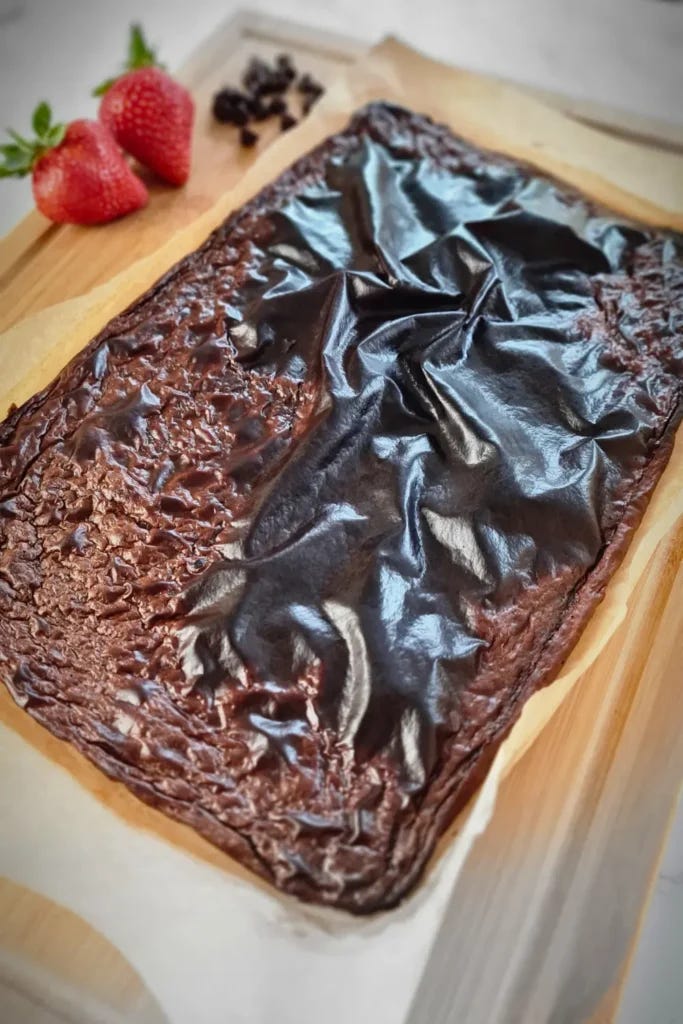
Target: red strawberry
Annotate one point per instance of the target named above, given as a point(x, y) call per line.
point(80, 176)
point(150, 114)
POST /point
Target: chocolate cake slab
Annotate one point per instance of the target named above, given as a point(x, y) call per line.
point(288, 545)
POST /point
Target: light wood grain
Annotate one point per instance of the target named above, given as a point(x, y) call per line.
point(632, 179)
point(544, 914)
point(54, 967)
point(545, 911)
point(42, 264)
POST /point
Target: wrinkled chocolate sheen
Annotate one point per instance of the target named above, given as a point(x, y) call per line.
point(288, 546)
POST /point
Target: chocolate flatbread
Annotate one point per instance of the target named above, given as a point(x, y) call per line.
point(287, 547)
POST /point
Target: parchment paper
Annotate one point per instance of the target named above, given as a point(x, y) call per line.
point(211, 942)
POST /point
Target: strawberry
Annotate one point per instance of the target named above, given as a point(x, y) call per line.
point(80, 176)
point(149, 113)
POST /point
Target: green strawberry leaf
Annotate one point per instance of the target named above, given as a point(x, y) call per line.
point(140, 55)
point(42, 116)
point(20, 140)
point(55, 135)
point(19, 157)
point(12, 156)
point(103, 87)
point(14, 161)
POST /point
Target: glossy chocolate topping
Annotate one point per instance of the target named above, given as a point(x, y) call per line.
point(288, 546)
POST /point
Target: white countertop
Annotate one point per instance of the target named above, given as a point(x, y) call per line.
point(623, 53)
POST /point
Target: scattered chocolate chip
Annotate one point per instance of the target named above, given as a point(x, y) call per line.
point(307, 84)
point(259, 110)
point(232, 95)
point(218, 109)
point(256, 74)
point(222, 106)
point(309, 100)
point(248, 138)
point(264, 87)
point(277, 106)
point(260, 79)
point(229, 107)
point(276, 83)
point(284, 64)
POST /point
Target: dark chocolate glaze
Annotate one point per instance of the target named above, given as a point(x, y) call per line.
point(288, 546)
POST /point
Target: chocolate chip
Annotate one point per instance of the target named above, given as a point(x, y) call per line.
point(248, 138)
point(222, 108)
point(307, 84)
point(229, 107)
point(275, 83)
point(256, 74)
point(309, 101)
point(285, 64)
point(261, 80)
point(259, 110)
point(230, 95)
point(277, 106)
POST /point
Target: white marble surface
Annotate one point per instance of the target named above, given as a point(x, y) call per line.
point(626, 53)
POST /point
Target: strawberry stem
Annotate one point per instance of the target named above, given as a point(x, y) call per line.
point(140, 55)
point(19, 157)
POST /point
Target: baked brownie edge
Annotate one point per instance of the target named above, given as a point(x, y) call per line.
point(402, 829)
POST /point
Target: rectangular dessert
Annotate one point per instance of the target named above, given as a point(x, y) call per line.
point(286, 548)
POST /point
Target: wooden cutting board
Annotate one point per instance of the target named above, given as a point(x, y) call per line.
point(549, 902)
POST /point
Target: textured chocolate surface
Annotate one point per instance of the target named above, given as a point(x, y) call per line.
point(288, 546)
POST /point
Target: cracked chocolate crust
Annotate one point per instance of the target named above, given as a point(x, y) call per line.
point(288, 545)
